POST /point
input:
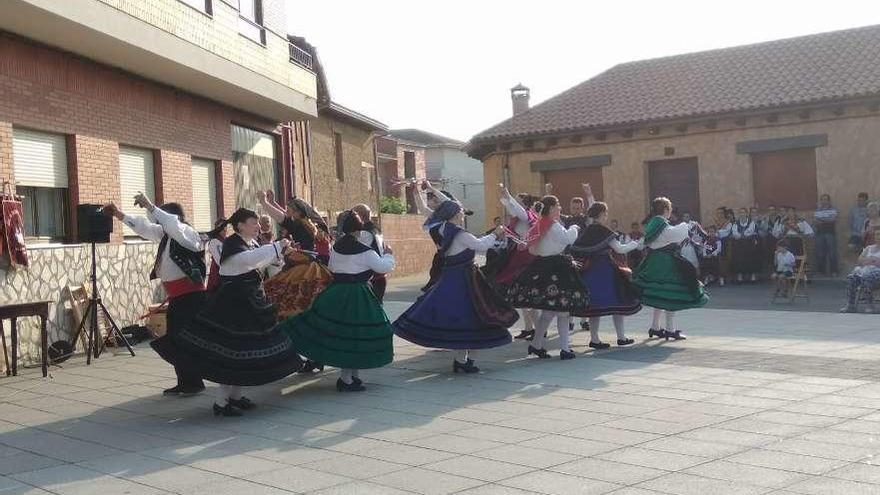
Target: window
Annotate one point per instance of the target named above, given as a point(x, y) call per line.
point(40, 171)
point(200, 5)
point(253, 162)
point(785, 178)
point(204, 190)
point(250, 23)
point(135, 175)
point(340, 162)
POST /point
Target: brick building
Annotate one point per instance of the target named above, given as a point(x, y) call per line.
point(772, 123)
point(336, 152)
point(180, 99)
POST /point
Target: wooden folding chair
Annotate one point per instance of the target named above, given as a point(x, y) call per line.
point(795, 285)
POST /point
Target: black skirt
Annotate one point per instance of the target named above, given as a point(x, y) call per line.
point(552, 283)
point(234, 340)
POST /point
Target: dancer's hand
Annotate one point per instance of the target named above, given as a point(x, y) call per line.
point(387, 249)
point(113, 210)
point(505, 194)
point(499, 232)
point(261, 197)
point(143, 201)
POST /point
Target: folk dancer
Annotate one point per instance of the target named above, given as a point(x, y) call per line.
point(460, 311)
point(180, 266)
point(551, 283)
point(346, 326)
point(745, 262)
point(606, 279)
point(666, 281)
point(233, 340)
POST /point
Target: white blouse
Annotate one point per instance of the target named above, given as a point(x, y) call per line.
point(465, 240)
point(254, 259)
point(361, 262)
point(169, 224)
point(516, 210)
point(673, 234)
point(555, 240)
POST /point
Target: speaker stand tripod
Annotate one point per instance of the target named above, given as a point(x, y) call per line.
point(95, 305)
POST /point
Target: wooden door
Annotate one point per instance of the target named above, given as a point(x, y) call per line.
point(785, 178)
point(679, 180)
point(567, 183)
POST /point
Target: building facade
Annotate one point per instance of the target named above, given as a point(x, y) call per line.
point(101, 99)
point(447, 164)
point(770, 124)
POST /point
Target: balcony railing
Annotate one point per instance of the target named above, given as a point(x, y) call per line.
point(300, 57)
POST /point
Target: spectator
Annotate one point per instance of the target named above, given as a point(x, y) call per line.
point(865, 275)
point(858, 214)
point(710, 256)
point(784, 268)
point(826, 236)
point(265, 236)
point(872, 224)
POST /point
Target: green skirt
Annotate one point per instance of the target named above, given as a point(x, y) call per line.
point(667, 281)
point(345, 327)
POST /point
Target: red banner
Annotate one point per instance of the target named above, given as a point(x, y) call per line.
point(13, 228)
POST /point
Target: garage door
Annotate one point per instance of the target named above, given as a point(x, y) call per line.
point(678, 180)
point(567, 183)
point(785, 178)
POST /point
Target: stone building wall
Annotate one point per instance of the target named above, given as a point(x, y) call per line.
point(123, 282)
point(413, 249)
point(358, 184)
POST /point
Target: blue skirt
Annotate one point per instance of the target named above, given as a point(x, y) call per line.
point(460, 311)
point(611, 292)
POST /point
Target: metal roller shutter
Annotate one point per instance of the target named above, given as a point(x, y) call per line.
point(40, 159)
point(204, 190)
point(135, 174)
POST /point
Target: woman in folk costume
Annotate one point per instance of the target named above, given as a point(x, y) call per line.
point(372, 234)
point(608, 280)
point(666, 281)
point(522, 217)
point(214, 249)
point(180, 265)
point(233, 341)
point(550, 283)
point(461, 311)
point(433, 199)
point(304, 276)
point(346, 326)
point(746, 260)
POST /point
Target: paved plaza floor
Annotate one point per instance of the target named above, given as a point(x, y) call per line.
point(754, 402)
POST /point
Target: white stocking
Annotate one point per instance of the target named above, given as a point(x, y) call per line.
point(228, 392)
point(562, 320)
point(345, 374)
point(461, 355)
point(529, 318)
point(656, 323)
point(618, 326)
point(541, 327)
point(670, 326)
point(594, 329)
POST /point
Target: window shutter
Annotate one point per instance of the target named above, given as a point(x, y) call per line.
point(204, 189)
point(40, 159)
point(135, 174)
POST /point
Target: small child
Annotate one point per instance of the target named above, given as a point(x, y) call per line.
point(710, 253)
point(785, 263)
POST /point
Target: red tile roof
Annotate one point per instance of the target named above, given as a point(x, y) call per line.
point(824, 67)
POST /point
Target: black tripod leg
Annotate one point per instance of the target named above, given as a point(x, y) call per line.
point(114, 331)
point(87, 316)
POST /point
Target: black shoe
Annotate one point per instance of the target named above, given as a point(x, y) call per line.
point(541, 353)
point(243, 403)
point(341, 386)
point(626, 341)
point(184, 391)
point(467, 367)
point(656, 333)
point(357, 381)
point(526, 334)
point(676, 335)
point(585, 325)
point(565, 355)
point(226, 411)
point(599, 345)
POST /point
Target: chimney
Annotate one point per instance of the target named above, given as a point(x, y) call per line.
point(519, 95)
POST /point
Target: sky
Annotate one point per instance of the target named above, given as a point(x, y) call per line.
point(447, 66)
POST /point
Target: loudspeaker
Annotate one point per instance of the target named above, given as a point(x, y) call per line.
point(92, 224)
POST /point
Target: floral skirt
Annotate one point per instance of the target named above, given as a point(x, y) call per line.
point(552, 283)
point(293, 290)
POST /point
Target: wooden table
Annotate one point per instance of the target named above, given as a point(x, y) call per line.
point(13, 312)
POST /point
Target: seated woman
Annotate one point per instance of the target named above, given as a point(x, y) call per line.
point(865, 275)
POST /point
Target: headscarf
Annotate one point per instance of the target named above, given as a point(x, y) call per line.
point(445, 212)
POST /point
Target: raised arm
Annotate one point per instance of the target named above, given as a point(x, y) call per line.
point(421, 206)
point(184, 234)
point(272, 209)
point(143, 227)
point(513, 207)
point(589, 198)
